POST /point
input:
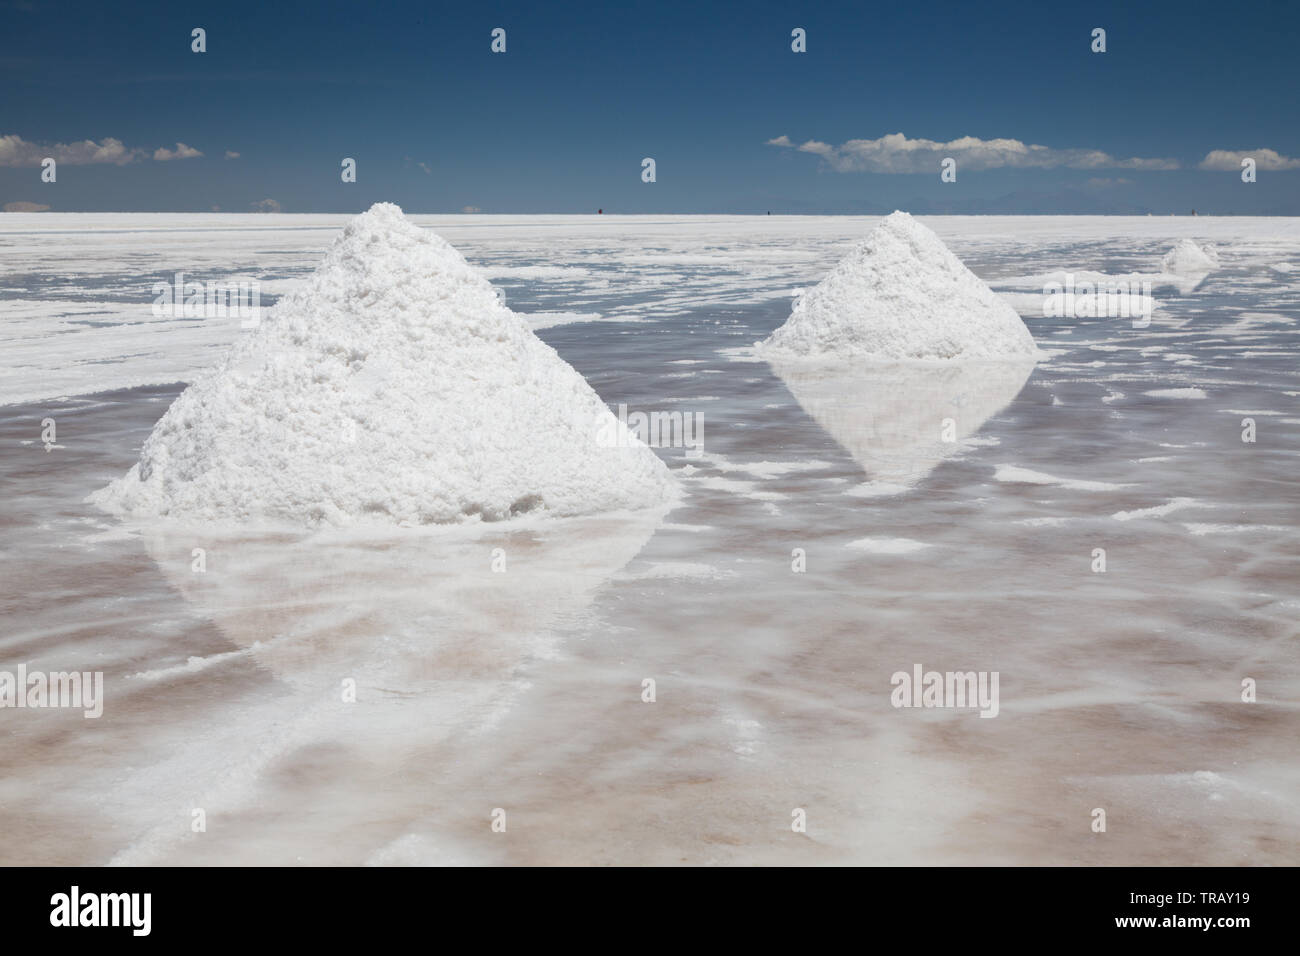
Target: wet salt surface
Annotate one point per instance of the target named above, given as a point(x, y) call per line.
point(522, 690)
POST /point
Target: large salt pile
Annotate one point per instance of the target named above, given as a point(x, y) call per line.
point(900, 294)
point(394, 386)
point(1188, 258)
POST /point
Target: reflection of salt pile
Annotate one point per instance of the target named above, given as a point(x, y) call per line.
point(446, 604)
point(394, 387)
point(900, 294)
point(892, 417)
point(435, 629)
point(1188, 259)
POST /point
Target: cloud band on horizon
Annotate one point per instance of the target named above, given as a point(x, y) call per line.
point(895, 153)
point(18, 152)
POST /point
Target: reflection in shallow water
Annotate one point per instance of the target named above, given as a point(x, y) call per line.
point(899, 420)
point(409, 605)
point(432, 630)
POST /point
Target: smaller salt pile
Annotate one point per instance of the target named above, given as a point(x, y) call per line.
point(1190, 259)
point(394, 387)
point(901, 294)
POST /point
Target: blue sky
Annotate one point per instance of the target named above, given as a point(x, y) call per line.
point(561, 121)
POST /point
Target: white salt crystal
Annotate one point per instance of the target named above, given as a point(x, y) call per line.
point(1188, 258)
point(901, 294)
point(392, 387)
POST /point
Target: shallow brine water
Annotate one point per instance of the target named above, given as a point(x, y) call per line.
point(522, 689)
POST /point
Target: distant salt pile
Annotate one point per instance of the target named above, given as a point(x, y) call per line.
point(901, 294)
point(393, 387)
point(1187, 258)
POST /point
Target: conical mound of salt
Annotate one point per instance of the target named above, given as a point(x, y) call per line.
point(900, 294)
point(394, 387)
point(1190, 258)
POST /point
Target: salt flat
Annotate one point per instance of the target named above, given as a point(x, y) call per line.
point(523, 690)
point(76, 287)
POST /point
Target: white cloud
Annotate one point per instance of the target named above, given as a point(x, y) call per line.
point(895, 153)
point(426, 168)
point(16, 151)
point(1270, 160)
point(163, 154)
point(230, 154)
